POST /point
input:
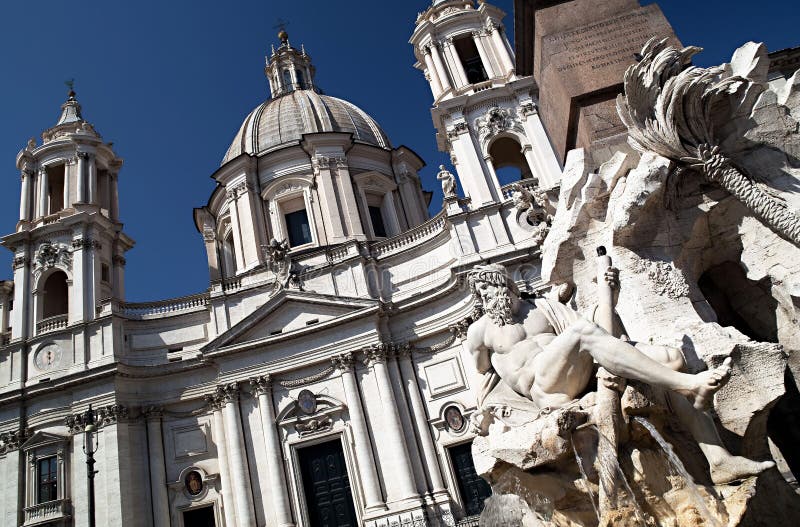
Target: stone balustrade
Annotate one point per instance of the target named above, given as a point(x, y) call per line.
point(52, 324)
point(422, 232)
point(49, 510)
point(139, 310)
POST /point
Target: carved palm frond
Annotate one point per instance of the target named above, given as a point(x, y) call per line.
point(698, 117)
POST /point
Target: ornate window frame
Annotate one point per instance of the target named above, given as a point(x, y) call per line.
point(278, 195)
point(376, 184)
point(42, 445)
point(182, 501)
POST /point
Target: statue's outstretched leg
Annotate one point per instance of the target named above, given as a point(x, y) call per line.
point(624, 360)
point(725, 467)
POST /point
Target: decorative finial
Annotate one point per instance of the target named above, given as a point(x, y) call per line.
point(71, 85)
point(283, 36)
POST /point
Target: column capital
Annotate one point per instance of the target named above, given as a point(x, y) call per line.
point(377, 353)
point(343, 362)
point(152, 413)
point(262, 385)
point(84, 155)
point(224, 394)
point(12, 440)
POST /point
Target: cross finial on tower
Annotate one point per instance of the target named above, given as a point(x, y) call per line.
point(71, 85)
point(281, 27)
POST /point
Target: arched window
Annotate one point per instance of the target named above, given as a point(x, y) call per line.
point(509, 163)
point(55, 188)
point(287, 81)
point(55, 297)
point(301, 80)
point(229, 255)
point(470, 60)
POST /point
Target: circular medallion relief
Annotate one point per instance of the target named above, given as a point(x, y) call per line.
point(307, 402)
point(194, 483)
point(454, 418)
point(47, 357)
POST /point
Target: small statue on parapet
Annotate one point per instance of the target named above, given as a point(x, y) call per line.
point(448, 182)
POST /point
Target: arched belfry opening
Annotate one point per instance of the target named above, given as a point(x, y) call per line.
point(509, 163)
point(55, 295)
point(470, 59)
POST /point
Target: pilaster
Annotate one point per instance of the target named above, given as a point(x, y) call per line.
point(158, 476)
point(262, 388)
point(366, 462)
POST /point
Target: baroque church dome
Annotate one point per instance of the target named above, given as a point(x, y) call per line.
point(283, 120)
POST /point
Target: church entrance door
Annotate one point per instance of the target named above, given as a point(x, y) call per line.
point(327, 486)
point(473, 488)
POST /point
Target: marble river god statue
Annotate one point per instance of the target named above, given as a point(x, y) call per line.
point(546, 353)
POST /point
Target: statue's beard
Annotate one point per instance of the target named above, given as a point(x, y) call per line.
point(499, 309)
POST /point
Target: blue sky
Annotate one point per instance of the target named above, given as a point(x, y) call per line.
point(170, 83)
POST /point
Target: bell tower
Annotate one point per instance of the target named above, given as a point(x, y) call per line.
point(68, 246)
point(485, 115)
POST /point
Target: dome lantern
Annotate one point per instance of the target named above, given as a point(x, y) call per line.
point(288, 69)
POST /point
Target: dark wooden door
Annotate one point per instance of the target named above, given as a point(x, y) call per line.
point(327, 487)
point(474, 489)
point(199, 518)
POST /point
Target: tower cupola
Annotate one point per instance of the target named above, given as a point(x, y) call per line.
point(288, 69)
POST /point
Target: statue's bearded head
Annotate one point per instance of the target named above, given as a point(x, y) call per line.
point(492, 288)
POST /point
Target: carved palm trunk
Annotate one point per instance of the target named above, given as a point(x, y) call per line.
point(775, 214)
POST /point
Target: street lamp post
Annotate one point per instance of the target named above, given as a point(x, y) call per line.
point(89, 448)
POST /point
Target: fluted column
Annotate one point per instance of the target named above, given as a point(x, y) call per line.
point(500, 49)
point(400, 463)
point(485, 59)
point(440, 67)
point(42, 192)
point(240, 474)
point(158, 477)
point(435, 82)
point(277, 477)
point(226, 490)
point(421, 422)
point(25, 196)
point(455, 60)
point(364, 458)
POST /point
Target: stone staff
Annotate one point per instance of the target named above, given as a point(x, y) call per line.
point(608, 412)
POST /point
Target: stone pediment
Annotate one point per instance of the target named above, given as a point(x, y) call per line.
point(293, 312)
point(43, 438)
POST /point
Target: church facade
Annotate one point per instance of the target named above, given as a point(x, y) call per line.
point(321, 379)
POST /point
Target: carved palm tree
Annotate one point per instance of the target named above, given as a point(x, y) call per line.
point(697, 117)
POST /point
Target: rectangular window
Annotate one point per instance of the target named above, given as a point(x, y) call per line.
point(105, 274)
point(298, 228)
point(377, 221)
point(47, 474)
point(55, 191)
